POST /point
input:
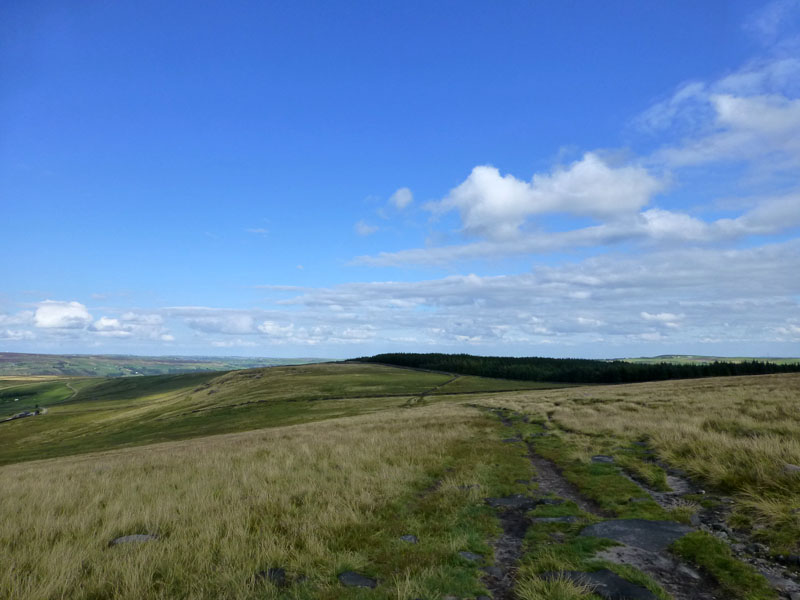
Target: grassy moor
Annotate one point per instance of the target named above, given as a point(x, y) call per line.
point(353, 480)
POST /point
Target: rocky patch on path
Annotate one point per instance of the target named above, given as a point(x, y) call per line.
point(653, 536)
point(353, 579)
point(606, 584)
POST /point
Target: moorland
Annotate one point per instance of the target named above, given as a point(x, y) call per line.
point(362, 480)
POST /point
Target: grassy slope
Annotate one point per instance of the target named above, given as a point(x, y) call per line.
point(316, 499)
point(320, 498)
point(95, 414)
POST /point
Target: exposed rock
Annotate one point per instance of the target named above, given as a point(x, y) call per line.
point(602, 458)
point(471, 556)
point(606, 584)
point(353, 579)
point(511, 440)
point(135, 538)
point(790, 469)
point(789, 559)
point(493, 571)
point(517, 501)
point(275, 575)
point(555, 519)
point(550, 501)
point(411, 539)
point(648, 535)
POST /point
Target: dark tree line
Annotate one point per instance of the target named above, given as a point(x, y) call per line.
point(574, 370)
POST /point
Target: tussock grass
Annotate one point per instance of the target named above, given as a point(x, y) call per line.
point(714, 556)
point(315, 499)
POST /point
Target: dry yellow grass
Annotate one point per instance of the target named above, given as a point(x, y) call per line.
point(223, 507)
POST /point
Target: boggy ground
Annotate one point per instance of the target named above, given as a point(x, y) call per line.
point(514, 495)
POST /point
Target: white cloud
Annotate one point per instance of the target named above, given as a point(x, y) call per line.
point(744, 128)
point(109, 327)
point(497, 206)
point(402, 198)
point(167, 337)
point(16, 335)
point(24, 317)
point(364, 228)
point(233, 322)
point(661, 317)
point(53, 314)
point(236, 343)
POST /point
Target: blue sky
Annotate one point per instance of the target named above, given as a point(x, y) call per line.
point(339, 179)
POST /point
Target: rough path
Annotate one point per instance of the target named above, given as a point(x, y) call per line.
point(677, 578)
point(715, 521)
point(500, 578)
point(551, 481)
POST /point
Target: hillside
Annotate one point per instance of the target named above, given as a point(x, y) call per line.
point(414, 484)
point(87, 414)
point(119, 365)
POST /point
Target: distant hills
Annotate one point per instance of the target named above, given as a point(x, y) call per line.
point(685, 359)
point(121, 365)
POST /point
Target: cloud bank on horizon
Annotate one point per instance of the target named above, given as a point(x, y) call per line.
point(684, 240)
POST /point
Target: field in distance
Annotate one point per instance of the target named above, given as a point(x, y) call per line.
point(87, 414)
point(685, 359)
point(366, 470)
point(119, 365)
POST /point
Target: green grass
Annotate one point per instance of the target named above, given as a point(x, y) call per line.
point(738, 579)
point(473, 384)
point(91, 414)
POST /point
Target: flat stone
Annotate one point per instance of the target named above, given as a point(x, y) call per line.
point(790, 469)
point(602, 458)
point(555, 519)
point(495, 572)
point(275, 575)
point(519, 501)
point(550, 501)
point(471, 556)
point(411, 539)
point(605, 584)
point(135, 538)
point(353, 579)
point(653, 536)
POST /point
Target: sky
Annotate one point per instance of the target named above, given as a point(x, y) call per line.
point(338, 179)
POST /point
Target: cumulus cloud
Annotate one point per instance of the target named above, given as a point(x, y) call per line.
point(364, 228)
point(108, 327)
point(54, 314)
point(495, 206)
point(402, 198)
